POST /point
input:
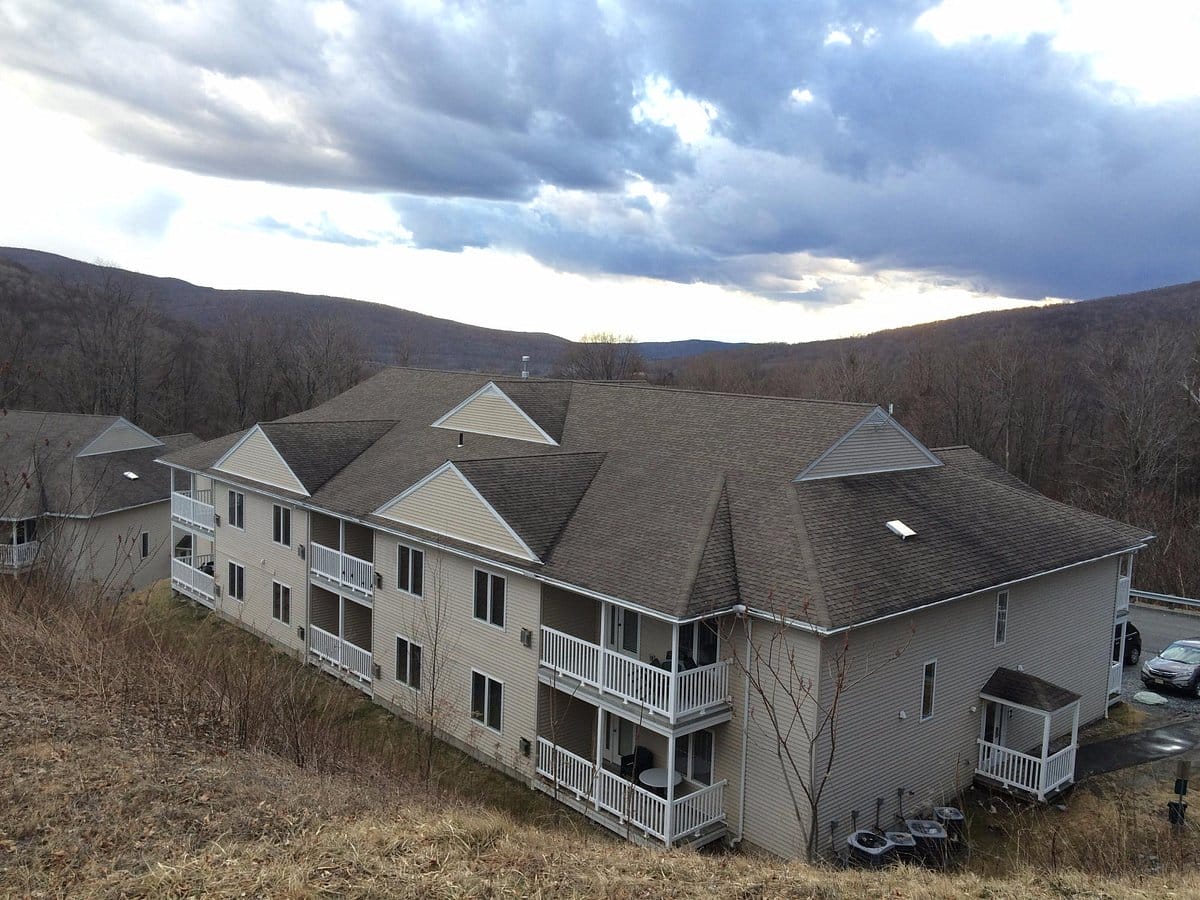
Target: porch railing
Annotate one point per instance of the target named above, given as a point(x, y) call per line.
point(630, 803)
point(339, 653)
point(18, 556)
point(194, 508)
point(188, 577)
point(1029, 773)
point(633, 680)
point(343, 569)
point(1115, 677)
point(1058, 770)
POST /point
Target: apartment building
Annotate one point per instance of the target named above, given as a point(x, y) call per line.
point(648, 602)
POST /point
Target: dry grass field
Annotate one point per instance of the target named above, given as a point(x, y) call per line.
point(134, 763)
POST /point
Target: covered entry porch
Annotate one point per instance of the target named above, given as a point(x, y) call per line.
point(1025, 744)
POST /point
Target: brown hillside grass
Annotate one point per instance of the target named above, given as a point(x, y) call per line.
point(125, 773)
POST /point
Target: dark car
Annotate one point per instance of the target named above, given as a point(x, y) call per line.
point(1133, 645)
point(1177, 667)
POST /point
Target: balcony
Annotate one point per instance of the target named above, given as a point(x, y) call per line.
point(343, 571)
point(625, 805)
point(194, 509)
point(340, 654)
point(192, 576)
point(1025, 771)
point(630, 680)
point(15, 557)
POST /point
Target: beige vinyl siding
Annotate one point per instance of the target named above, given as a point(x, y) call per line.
point(257, 459)
point(1059, 629)
point(445, 504)
point(878, 445)
point(772, 821)
point(120, 436)
point(264, 561)
point(494, 413)
point(107, 549)
point(454, 643)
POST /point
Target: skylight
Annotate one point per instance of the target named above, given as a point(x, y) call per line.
point(898, 527)
point(132, 476)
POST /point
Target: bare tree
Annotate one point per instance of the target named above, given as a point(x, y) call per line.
point(602, 356)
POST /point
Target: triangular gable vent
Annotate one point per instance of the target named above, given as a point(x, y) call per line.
point(491, 411)
point(876, 444)
point(254, 457)
point(446, 503)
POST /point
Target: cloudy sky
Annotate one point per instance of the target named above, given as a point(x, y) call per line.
point(743, 171)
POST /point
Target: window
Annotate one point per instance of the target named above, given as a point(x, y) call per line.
point(408, 663)
point(1124, 565)
point(25, 531)
point(489, 598)
point(698, 643)
point(487, 698)
point(1001, 618)
point(927, 681)
point(410, 568)
point(237, 582)
point(145, 544)
point(694, 756)
point(237, 509)
point(281, 603)
point(282, 525)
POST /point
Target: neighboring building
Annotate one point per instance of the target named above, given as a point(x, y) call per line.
point(81, 493)
point(590, 584)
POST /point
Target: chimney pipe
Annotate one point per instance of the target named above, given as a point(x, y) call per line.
point(524, 366)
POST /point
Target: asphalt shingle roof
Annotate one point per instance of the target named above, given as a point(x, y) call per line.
point(316, 451)
point(684, 501)
point(1028, 690)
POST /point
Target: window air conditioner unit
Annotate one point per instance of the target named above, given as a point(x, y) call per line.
point(216, 520)
point(216, 590)
point(526, 746)
point(379, 581)
point(376, 670)
point(300, 550)
point(526, 637)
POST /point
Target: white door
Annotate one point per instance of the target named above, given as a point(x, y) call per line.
point(618, 739)
point(995, 729)
point(624, 631)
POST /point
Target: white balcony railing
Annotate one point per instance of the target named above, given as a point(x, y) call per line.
point(343, 569)
point(1115, 677)
point(194, 508)
point(630, 803)
point(632, 680)
point(340, 654)
point(1029, 773)
point(18, 556)
point(188, 577)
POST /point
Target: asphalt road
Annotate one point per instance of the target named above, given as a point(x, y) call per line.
point(1159, 627)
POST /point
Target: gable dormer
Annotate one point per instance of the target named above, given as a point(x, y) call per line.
point(491, 411)
point(254, 457)
point(876, 444)
point(120, 435)
point(446, 503)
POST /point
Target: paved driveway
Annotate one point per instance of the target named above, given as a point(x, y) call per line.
point(1159, 627)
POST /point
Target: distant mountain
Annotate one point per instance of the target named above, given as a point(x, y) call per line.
point(393, 335)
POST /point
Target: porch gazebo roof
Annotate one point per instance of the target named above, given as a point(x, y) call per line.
point(1023, 689)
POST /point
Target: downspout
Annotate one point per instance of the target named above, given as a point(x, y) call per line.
point(745, 738)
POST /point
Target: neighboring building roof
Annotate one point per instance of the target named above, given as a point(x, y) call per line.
point(685, 501)
point(41, 471)
point(1028, 690)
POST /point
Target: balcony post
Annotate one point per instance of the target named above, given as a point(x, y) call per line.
point(673, 687)
point(1045, 755)
point(669, 817)
point(605, 618)
point(341, 628)
point(599, 757)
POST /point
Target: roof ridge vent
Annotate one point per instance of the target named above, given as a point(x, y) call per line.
point(897, 527)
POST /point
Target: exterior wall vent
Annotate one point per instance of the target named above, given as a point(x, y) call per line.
point(897, 527)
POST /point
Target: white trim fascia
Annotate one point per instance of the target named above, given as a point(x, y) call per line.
point(492, 388)
point(449, 466)
point(121, 420)
point(1048, 713)
point(245, 437)
point(877, 416)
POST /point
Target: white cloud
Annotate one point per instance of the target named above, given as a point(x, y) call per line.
point(665, 105)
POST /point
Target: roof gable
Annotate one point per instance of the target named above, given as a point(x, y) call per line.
point(256, 458)
point(491, 411)
point(120, 435)
point(716, 584)
point(316, 451)
point(876, 444)
point(446, 503)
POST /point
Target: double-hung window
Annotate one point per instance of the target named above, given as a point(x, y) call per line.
point(281, 525)
point(487, 700)
point(410, 569)
point(694, 756)
point(237, 509)
point(145, 544)
point(237, 582)
point(281, 603)
point(1001, 618)
point(928, 678)
point(489, 598)
point(408, 663)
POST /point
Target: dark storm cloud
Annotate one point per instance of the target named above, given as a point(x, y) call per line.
point(1005, 163)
